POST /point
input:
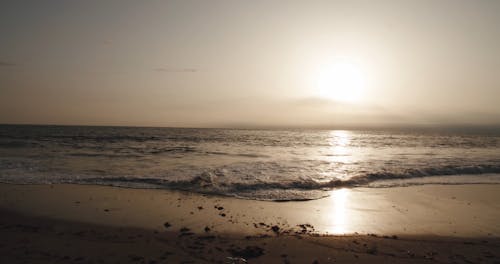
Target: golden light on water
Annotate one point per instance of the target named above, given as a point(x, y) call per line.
point(339, 146)
point(338, 218)
point(340, 138)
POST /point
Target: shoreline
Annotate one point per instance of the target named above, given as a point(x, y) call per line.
point(372, 225)
point(443, 210)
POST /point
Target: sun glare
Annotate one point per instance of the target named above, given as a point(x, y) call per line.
point(341, 81)
point(339, 216)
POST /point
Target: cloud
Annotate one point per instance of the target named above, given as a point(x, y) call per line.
point(175, 70)
point(7, 64)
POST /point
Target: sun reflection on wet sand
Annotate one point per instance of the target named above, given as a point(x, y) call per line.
point(339, 218)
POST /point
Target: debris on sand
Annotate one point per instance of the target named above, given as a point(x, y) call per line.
point(167, 225)
point(185, 232)
point(305, 228)
point(236, 260)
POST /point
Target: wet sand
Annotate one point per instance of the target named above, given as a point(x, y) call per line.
point(96, 224)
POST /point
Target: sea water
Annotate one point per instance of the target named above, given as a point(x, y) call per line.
point(294, 164)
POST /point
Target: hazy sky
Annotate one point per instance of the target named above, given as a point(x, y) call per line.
point(249, 63)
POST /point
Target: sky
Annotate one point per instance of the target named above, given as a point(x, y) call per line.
point(255, 63)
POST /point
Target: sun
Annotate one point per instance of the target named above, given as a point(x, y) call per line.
point(341, 81)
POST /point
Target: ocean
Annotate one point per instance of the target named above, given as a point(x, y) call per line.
point(277, 165)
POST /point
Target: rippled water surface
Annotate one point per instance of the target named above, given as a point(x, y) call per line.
point(255, 164)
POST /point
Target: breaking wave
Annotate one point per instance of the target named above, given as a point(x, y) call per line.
point(252, 164)
point(218, 183)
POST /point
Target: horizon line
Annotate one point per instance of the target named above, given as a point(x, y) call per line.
point(492, 127)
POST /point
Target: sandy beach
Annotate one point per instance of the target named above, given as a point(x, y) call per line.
point(98, 224)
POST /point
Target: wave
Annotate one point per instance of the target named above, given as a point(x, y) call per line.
point(216, 182)
point(253, 164)
point(247, 155)
point(426, 172)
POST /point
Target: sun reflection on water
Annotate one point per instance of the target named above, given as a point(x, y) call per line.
point(339, 154)
point(340, 138)
point(339, 146)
